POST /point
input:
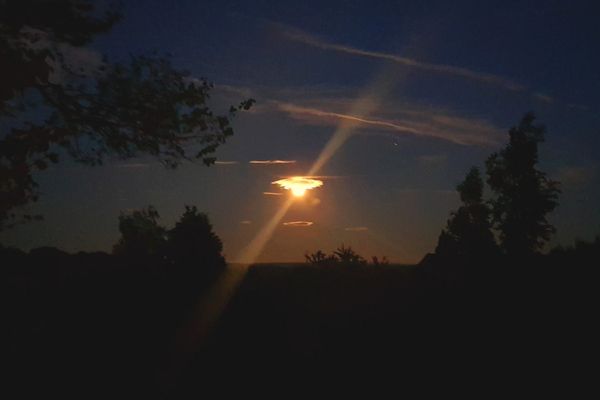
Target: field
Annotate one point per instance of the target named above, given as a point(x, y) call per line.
point(94, 326)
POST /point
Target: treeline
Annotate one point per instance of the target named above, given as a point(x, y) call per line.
point(513, 221)
point(191, 242)
point(508, 227)
point(507, 231)
point(102, 320)
point(143, 241)
point(342, 256)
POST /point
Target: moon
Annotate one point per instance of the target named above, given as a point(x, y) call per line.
point(298, 185)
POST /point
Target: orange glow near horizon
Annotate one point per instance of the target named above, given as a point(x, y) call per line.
point(298, 185)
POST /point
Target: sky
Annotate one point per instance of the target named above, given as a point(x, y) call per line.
point(405, 96)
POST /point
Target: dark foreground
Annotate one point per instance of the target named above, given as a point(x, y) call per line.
point(94, 327)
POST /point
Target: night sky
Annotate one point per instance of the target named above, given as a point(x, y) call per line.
point(423, 91)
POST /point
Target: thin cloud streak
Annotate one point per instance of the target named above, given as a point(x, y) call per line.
point(335, 109)
point(458, 130)
point(356, 229)
point(298, 223)
point(272, 194)
point(226, 162)
point(271, 162)
point(544, 98)
point(303, 37)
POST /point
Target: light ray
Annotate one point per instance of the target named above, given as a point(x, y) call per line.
point(255, 247)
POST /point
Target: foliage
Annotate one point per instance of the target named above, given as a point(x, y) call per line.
point(522, 197)
point(522, 194)
point(347, 256)
point(468, 232)
point(341, 256)
point(320, 258)
point(141, 235)
point(192, 241)
point(58, 96)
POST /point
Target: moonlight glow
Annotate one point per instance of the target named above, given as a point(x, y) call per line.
point(298, 185)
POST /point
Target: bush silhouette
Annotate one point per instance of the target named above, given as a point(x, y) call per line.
point(320, 258)
point(343, 256)
point(347, 256)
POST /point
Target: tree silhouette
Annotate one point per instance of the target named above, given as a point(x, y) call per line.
point(57, 96)
point(141, 235)
point(193, 242)
point(468, 232)
point(523, 195)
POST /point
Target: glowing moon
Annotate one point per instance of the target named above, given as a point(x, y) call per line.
point(298, 185)
point(298, 192)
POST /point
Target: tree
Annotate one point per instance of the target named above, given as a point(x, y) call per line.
point(59, 97)
point(468, 232)
point(522, 194)
point(141, 235)
point(193, 242)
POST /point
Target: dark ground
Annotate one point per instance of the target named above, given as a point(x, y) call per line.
point(91, 326)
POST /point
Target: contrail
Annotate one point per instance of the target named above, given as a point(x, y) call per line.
point(462, 72)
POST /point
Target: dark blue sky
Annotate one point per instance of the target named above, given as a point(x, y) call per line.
point(443, 81)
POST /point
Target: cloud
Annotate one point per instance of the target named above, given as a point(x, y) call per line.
point(459, 130)
point(322, 106)
point(544, 98)
point(226, 162)
point(298, 223)
point(356, 229)
point(310, 40)
point(245, 222)
point(272, 194)
point(271, 162)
